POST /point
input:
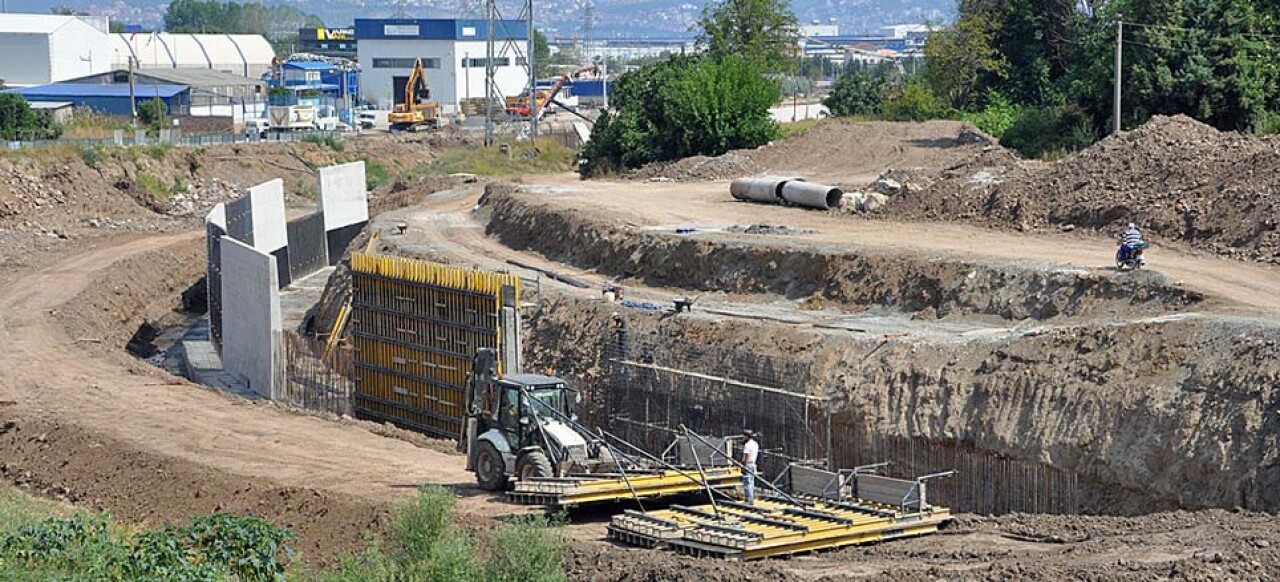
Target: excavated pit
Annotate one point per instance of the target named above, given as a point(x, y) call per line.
point(1087, 392)
point(1114, 419)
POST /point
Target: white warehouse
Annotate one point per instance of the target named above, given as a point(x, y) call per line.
point(46, 48)
point(452, 52)
point(247, 55)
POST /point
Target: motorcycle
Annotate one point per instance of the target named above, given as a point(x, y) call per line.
point(1131, 260)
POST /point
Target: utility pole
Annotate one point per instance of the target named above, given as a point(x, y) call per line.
point(1119, 64)
point(133, 98)
point(535, 110)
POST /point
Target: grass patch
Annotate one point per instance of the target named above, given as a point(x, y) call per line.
point(157, 152)
point(542, 156)
point(153, 186)
point(334, 142)
point(786, 130)
point(90, 157)
point(374, 174)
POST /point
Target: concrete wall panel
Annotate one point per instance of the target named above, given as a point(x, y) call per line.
point(253, 332)
point(269, 232)
point(307, 252)
point(215, 224)
point(239, 220)
point(343, 199)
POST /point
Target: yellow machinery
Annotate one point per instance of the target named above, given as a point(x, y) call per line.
point(415, 112)
point(598, 488)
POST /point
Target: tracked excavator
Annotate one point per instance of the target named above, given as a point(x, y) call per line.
point(415, 113)
point(520, 107)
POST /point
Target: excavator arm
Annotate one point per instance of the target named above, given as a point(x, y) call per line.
point(415, 88)
point(545, 106)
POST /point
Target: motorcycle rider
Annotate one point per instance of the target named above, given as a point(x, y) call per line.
point(1131, 240)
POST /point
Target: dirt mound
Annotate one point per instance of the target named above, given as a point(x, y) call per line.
point(847, 153)
point(66, 191)
point(1179, 179)
point(600, 563)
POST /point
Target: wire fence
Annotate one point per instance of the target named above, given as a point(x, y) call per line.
point(174, 138)
point(316, 381)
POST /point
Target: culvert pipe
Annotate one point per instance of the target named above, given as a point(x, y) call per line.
point(812, 195)
point(766, 189)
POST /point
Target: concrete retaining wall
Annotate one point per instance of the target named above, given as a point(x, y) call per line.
point(252, 330)
point(215, 226)
point(270, 234)
point(345, 205)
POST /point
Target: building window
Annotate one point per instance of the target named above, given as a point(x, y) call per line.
point(400, 30)
point(481, 63)
point(406, 63)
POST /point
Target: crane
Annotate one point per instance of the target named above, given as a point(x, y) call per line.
point(415, 112)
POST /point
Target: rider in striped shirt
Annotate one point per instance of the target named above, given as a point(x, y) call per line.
point(1131, 239)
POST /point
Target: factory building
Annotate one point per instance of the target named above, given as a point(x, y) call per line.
point(45, 48)
point(453, 53)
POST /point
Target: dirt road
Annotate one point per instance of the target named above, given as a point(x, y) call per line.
point(707, 207)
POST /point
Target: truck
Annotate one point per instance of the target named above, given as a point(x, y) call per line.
point(292, 117)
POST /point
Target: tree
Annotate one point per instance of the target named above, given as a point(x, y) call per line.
point(19, 122)
point(957, 58)
point(152, 113)
point(212, 16)
point(684, 106)
point(855, 93)
point(541, 53)
point(763, 32)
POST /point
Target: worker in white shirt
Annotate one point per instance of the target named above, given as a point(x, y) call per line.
point(750, 452)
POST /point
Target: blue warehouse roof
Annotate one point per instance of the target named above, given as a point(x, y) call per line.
point(437, 29)
point(72, 90)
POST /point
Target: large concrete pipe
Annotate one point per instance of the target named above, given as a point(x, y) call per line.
point(812, 195)
point(760, 189)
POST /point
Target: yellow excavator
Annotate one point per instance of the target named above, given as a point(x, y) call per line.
point(415, 112)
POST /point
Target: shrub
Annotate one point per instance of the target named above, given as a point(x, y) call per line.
point(683, 106)
point(153, 113)
point(421, 522)
point(152, 185)
point(334, 143)
point(912, 102)
point(90, 157)
point(996, 118)
point(19, 122)
point(1049, 131)
point(526, 550)
point(855, 93)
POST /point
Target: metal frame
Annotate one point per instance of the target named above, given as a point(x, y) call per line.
point(496, 120)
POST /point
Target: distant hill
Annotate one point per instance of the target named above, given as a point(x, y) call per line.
point(614, 18)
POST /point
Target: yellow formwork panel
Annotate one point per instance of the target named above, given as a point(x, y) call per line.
point(415, 326)
point(771, 527)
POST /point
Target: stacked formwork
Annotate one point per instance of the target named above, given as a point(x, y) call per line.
point(416, 326)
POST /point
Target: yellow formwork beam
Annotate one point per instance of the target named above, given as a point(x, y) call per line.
point(588, 489)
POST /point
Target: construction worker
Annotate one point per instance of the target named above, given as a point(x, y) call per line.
point(750, 452)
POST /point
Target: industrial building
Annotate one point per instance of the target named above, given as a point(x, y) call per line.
point(247, 55)
point(45, 48)
point(330, 42)
point(109, 99)
point(212, 93)
point(452, 52)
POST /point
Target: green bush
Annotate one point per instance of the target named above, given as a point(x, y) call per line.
point(19, 122)
point(90, 157)
point(996, 118)
point(680, 107)
point(153, 113)
point(526, 550)
point(420, 523)
point(855, 93)
point(912, 102)
point(1050, 131)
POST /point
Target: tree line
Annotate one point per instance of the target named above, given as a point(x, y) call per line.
point(1039, 74)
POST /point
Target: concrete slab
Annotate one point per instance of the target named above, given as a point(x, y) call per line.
point(343, 198)
point(268, 216)
point(252, 332)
